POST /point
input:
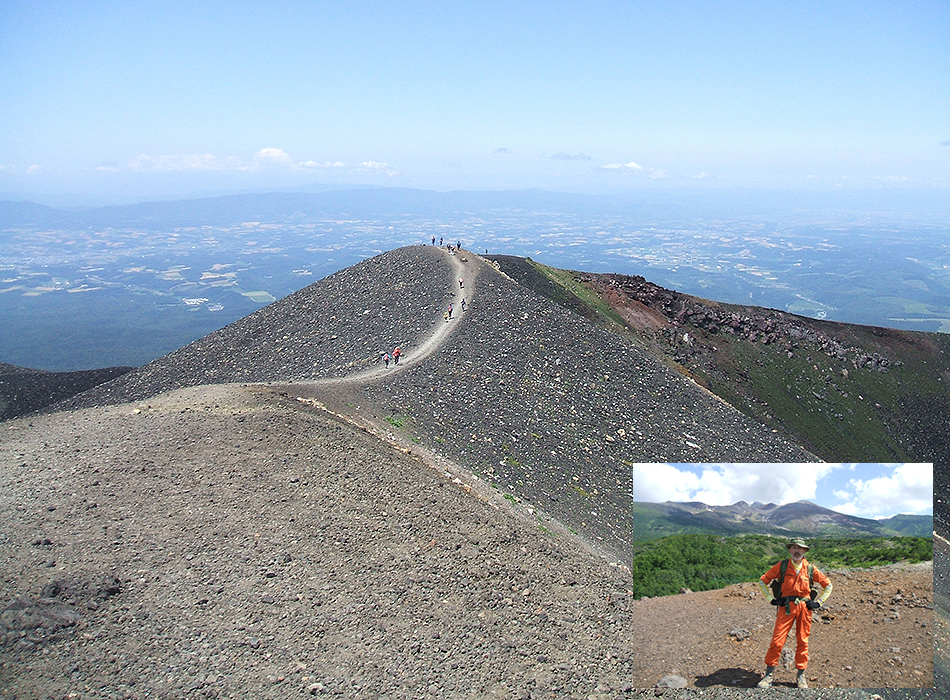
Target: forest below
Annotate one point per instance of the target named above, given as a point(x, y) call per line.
point(706, 562)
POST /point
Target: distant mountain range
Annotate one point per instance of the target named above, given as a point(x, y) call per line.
point(802, 518)
point(280, 207)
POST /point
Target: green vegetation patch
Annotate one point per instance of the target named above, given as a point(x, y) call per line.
point(565, 279)
point(397, 420)
point(707, 562)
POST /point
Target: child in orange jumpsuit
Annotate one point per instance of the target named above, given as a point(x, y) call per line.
point(794, 607)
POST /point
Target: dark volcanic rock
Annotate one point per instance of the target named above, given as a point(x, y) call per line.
point(24, 390)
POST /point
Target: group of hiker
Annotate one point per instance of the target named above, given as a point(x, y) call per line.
point(386, 357)
point(447, 315)
point(458, 244)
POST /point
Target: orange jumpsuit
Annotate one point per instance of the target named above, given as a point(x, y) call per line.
point(795, 584)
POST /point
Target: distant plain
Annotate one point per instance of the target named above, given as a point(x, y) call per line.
point(125, 285)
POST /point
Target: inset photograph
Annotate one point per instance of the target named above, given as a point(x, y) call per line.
point(803, 575)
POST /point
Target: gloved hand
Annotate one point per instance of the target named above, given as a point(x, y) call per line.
point(777, 601)
point(812, 604)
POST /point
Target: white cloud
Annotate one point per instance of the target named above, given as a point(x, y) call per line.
point(724, 484)
point(658, 174)
point(907, 489)
point(656, 483)
point(377, 167)
point(35, 168)
point(146, 162)
point(770, 483)
point(625, 167)
point(326, 165)
point(273, 155)
point(264, 158)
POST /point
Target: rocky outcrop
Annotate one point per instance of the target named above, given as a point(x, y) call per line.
point(759, 326)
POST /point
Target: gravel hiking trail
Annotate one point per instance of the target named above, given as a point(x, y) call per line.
point(432, 343)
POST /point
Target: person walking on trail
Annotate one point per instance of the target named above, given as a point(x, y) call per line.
point(790, 586)
point(463, 303)
point(396, 353)
point(450, 311)
point(385, 358)
point(460, 283)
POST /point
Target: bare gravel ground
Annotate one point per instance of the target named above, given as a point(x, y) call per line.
point(272, 553)
point(222, 542)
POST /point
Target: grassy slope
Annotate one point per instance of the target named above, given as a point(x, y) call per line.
point(793, 386)
point(901, 415)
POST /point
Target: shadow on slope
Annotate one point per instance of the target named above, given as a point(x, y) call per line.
point(24, 390)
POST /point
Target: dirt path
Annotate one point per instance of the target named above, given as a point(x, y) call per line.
point(443, 331)
point(468, 275)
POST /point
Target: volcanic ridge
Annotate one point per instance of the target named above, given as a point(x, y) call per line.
point(274, 511)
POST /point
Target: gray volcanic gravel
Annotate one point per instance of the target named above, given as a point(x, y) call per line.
point(555, 411)
point(229, 542)
point(241, 541)
point(261, 551)
point(529, 396)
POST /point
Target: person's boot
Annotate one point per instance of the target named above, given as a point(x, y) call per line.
point(801, 681)
point(766, 681)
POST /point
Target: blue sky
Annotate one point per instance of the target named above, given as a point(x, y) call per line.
point(865, 490)
point(157, 98)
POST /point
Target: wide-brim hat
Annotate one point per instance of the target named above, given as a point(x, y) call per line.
point(798, 541)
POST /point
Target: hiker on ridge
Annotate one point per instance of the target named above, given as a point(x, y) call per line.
point(789, 586)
